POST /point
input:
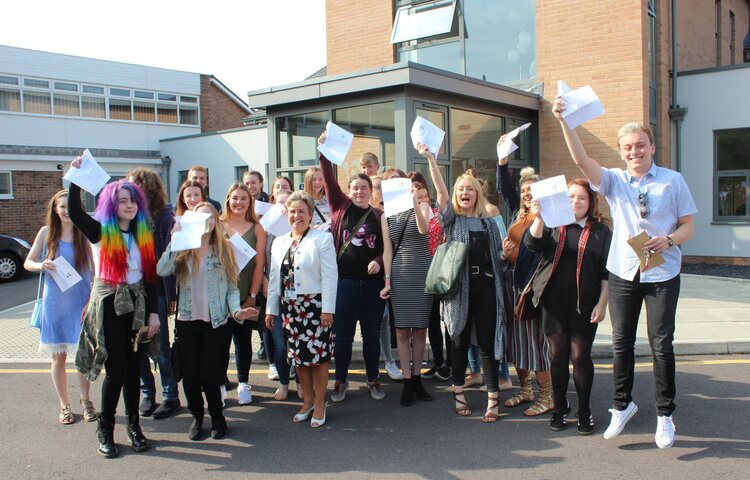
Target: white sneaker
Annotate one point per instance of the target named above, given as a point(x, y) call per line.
point(393, 371)
point(273, 374)
point(223, 390)
point(619, 419)
point(244, 394)
point(664, 431)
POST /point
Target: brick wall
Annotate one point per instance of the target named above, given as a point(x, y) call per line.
point(24, 215)
point(696, 32)
point(218, 111)
point(358, 34)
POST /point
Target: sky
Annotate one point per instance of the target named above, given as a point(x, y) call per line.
point(247, 45)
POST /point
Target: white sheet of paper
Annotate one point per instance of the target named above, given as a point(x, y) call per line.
point(552, 194)
point(64, 275)
point(90, 176)
point(422, 131)
point(508, 147)
point(337, 143)
point(275, 221)
point(192, 228)
point(430, 214)
point(243, 252)
point(581, 104)
point(397, 196)
point(262, 207)
point(325, 226)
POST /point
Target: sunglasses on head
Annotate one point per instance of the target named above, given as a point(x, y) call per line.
point(643, 201)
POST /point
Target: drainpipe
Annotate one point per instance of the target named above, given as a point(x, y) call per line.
point(167, 162)
point(676, 113)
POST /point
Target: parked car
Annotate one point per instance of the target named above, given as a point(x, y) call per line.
point(12, 253)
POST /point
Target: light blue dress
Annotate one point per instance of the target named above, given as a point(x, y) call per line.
point(61, 311)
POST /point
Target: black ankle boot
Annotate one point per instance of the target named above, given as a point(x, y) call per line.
point(218, 426)
point(419, 390)
point(137, 439)
point(196, 429)
point(105, 435)
point(407, 393)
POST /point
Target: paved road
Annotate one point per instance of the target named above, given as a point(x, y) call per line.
point(18, 291)
point(368, 439)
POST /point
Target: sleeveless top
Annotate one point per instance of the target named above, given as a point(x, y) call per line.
point(246, 274)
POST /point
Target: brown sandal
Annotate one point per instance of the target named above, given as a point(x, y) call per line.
point(489, 415)
point(544, 403)
point(525, 395)
point(462, 409)
point(89, 412)
point(66, 415)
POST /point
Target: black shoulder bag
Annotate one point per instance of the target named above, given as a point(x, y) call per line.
point(354, 232)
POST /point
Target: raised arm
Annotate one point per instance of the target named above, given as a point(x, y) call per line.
point(588, 166)
point(504, 182)
point(90, 227)
point(336, 197)
point(436, 176)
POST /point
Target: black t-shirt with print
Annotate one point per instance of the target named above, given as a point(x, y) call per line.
point(367, 244)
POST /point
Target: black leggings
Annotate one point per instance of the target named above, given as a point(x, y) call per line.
point(242, 334)
point(435, 333)
point(483, 315)
point(563, 348)
point(123, 365)
point(204, 353)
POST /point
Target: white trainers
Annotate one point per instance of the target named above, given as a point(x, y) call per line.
point(619, 419)
point(664, 431)
point(223, 390)
point(244, 394)
point(339, 392)
point(273, 374)
point(393, 371)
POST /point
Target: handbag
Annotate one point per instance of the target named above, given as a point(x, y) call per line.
point(36, 314)
point(446, 266)
point(356, 228)
point(174, 353)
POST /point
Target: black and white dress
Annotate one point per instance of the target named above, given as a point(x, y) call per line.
point(411, 306)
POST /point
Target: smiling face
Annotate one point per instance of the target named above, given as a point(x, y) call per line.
point(253, 183)
point(369, 168)
point(281, 186)
point(211, 221)
point(579, 199)
point(127, 209)
point(192, 196)
point(317, 183)
point(526, 197)
point(61, 208)
point(466, 195)
point(198, 176)
point(360, 192)
point(239, 202)
point(637, 151)
point(298, 214)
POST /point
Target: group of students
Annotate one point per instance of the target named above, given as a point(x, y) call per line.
point(345, 262)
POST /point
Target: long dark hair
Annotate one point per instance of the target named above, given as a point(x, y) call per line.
point(81, 249)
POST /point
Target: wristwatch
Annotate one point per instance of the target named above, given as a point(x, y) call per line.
point(670, 240)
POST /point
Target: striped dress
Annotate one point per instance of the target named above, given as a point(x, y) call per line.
point(411, 306)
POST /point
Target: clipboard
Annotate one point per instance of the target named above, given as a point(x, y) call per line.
point(647, 258)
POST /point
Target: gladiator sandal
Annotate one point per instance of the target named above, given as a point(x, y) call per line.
point(544, 403)
point(526, 394)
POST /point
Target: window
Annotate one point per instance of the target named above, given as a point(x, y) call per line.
point(732, 177)
point(68, 105)
point(10, 100)
point(239, 172)
point(93, 89)
point(167, 113)
point(94, 107)
point(119, 92)
point(297, 139)
point(5, 80)
point(423, 20)
point(69, 87)
point(30, 82)
point(185, 99)
point(140, 94)
point(188, 115)
point(144, 112)
point(167, 97)
point(37, 102)
point(6, 186)
point(120, 109)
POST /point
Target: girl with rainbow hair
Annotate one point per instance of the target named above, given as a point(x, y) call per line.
point(122, 317)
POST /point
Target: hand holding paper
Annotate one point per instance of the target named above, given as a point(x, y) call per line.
point(581, 105)
point(422, 131)
point(243, 252)
point(192, 227)
point(64, 275)
point(552, 195)
point(275, 221)
point(507, 147)
point(261, 207)
point(397, 196)
point(89, 176)
point(337, 143)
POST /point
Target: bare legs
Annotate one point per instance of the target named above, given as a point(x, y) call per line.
point(411, 344)
point(60, 380)
point(314, 382)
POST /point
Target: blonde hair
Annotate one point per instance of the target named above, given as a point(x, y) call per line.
point(301, 196)
point(528, 175)
point(479, 210)
point(634, 127)
point(309, 175)
point(250, 215)
point(220, 245)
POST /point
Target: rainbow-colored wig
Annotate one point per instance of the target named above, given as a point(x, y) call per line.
point(113, 261)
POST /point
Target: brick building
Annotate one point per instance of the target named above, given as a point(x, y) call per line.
point(478, 68)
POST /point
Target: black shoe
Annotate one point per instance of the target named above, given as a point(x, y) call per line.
point(407, 393)
point(559, 420)
point(430, 374)
point(196, 429)
point(419, 390)
point(105, 436)
point(262, 352)
point(230, 386)
point(444, 373)
point(137, 440)
point(585, 424)
point(147, 407)
point(218, 427)
point(166, 409)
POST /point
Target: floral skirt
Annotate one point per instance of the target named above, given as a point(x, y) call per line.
point(309, 343)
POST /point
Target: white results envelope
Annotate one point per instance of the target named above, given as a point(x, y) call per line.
point(262, 207)
point(552, 195)
point(192, 228)
point(508, 147)
point(397, 196)
point(275, 221)
point(422, 131)
point(90, 176)
point(581, 105)
point(243, 252)
point(64, 275)
point(337, 143)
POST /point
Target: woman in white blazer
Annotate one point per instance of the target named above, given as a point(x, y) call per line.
point(302, 285)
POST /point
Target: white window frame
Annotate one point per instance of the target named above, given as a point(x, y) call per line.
point(9, 195)
point(415, 22)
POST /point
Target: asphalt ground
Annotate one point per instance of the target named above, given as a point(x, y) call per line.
point(364, 438)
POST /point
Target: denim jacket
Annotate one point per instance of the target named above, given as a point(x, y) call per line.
point(223, 297)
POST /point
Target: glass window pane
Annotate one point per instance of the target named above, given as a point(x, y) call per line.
point(119, 92)
point(37, 102)
point(120, 110)
point(141, 94)
point(167, 113)
point(188, 116)
point(297, 138)
point(93, 89)
point(68, 105)
point(437, 119)
point(31, 82)
point(93, 107)
point(445, 56)
point(168, 97)
point(10, 100)
point(144, 112)
point(733, 149)
point(5, 183)
point(185, 99)
point(424, 169)
point(5, 80)
point(70, 87)
point(421, 21)
point(732, 201)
